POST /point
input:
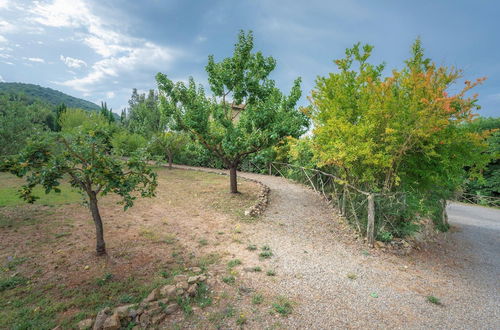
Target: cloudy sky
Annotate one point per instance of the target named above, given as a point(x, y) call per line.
point(100, 50)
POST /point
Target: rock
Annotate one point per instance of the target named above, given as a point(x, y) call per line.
point(182, 285)
point(101, 318)
point(179, 291)
point(202, 278)
point(122, 311)
point(379, 244)
point(112, 322)
point(191, 291)
point(154, 295)
point(157, 318)
point(132, 313)
point(168, 291)
point(85, 324)
point(192, 279)
point(180, 278)
point(196, 270)
point(172, 308)
point(145, 320)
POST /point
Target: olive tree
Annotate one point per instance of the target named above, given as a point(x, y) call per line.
point(84, 157)
point(247, 112)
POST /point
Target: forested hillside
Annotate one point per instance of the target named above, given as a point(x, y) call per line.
point(46, 95)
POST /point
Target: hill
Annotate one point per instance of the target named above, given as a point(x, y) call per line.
point(46, 95)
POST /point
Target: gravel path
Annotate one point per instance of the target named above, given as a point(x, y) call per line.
point(313, 258)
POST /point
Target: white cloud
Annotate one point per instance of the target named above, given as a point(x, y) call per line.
point(1, 79)
point(4, 4)
point(34, 59)
point(121, 54)
point(110, 95)
point(73, 62)
point(2, 39)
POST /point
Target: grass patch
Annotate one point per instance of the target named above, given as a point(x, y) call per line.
point(257, 299)
point(12, 282)
point(252, 247)
point(234, 263)
point(229, 279)
point(271, 272)
point(282, 306)
point(433, 300)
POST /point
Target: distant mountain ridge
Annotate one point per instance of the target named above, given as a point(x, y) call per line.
point(47, 95)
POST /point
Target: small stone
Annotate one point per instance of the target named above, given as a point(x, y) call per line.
point(192, 279)
point(132, 313)
point(182, 285)
point(379, 244)
point(192, 290)
point(101, 318)
point(196, 270)
point(145, 320)
point(172, 308)
point(154, 295)
point(202, 278)
point(85, 324)
point(168, 291)
point(157, 318)
point(179, 291)
point(122, 311)
point(180, 278)
point(112, 323)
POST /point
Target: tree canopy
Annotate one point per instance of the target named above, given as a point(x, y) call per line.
point(247, 112)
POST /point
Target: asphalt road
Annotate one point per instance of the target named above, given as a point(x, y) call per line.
point(479, 227)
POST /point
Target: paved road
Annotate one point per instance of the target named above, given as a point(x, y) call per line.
point(479, 227)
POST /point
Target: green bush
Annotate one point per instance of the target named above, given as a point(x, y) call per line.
point(125, 144)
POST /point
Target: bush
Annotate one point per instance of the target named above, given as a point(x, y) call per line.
point(125, 144)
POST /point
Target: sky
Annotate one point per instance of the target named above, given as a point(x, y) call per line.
point(100, 50)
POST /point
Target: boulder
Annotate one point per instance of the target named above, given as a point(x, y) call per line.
point(123, 311)
point(168, 291)
point(154, 295)
point(180, 278)
point(85, 324)
point(101, 318)
point(112, 323)
point(156, 319)
point(191, 291)
point(182, 285)
point(196, 270)
point(172, 308)
point(192, 279)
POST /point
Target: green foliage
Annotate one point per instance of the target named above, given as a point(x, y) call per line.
point(247, 113)
point(403, 133)
point(12, 282)
point(168, 144)
point(257, 299)
point(229, 279)
point(489, 183)
point(234, 263)
point(74, 119)
point(35, 93)
point(85, 157)
point(19, 119)
point(144, 116)
point(126, 144)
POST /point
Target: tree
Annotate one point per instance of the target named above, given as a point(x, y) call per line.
point(168, 144)
point(107, 113)
point(84, 157)
point(247, 113)
point(144, 116)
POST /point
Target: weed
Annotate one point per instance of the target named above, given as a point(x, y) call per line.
point(126, 299)
point(352, 276)
point(14, 262)
point(252, 247)
point(256, 269)
point(242, 319)
point(257, 299)
point(229, 311)
point(385, 236)
point(102, 281)
point(283, 306)
point(433, 300)
point(203, 242)
point(271, 272)
point(265, 248)
point(234, 263)
point(265, 255)
point(202, 297)
point(185, 305)
point(374, 295)
point(229, 279)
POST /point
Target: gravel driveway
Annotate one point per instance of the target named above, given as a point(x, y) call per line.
point(314, 258)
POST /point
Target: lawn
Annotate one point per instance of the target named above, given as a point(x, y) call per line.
point(51, 276)
point(9, 193)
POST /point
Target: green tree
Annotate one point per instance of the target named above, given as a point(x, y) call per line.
point(404, 132)
point(246, 114)
point(126, 144)
point(84, 157)
point(144, 115)
point(168, 144)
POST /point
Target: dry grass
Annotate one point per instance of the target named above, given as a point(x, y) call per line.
point(51, 247)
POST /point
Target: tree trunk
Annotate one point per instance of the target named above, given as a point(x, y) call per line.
point(170, 159)
point(233, 179)
point(100, 245)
